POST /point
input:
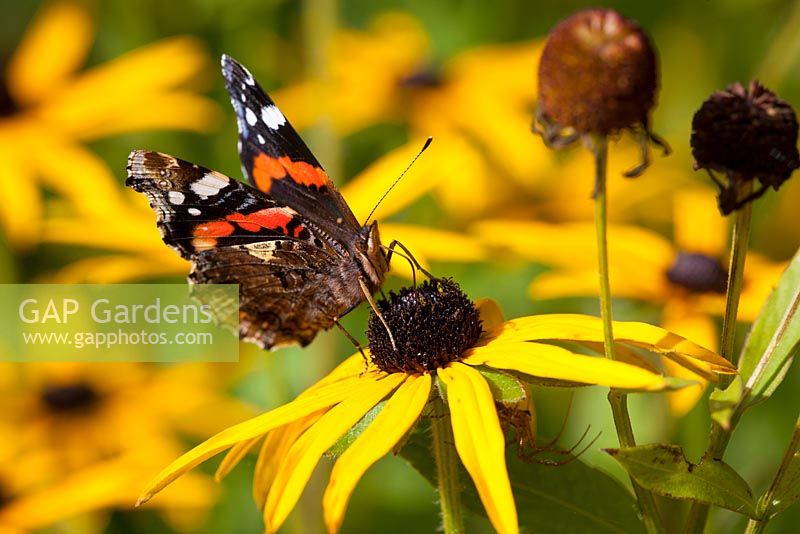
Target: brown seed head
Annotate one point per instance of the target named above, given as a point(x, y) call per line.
point(746, 133)
point(432, 324)
point(597, 73)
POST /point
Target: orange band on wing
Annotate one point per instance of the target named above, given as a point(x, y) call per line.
point(267, 169)
point(213, 229)
point(269, 218)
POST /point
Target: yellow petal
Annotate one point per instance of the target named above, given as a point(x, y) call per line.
point(21, 217)
point(174, 110)
point(577, 328)
point(234, 456)
point(54, 46)
point(548, 361)
point(490, 312)
point(277, 443)
point(698, 225)
point(389, 426)
point(575, 244)
point(584, 283)
point(480, 443)
point(293, 474)
point(58, 166)
point(324, 397)
point(273, 454)
point(130, 81)
point(116, 269)
point(684, 321)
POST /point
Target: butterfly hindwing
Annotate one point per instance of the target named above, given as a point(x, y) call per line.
point(284, 294)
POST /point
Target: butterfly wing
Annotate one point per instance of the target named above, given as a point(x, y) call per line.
point(235, 234)
point(276, 160)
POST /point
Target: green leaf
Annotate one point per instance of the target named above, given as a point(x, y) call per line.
point(663, 469)
point(555, 499)
point(505, 388)
point(774, 337)
point(787, 491)
point(350, 436)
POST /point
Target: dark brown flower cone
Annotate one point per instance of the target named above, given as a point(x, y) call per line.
point(597, 74)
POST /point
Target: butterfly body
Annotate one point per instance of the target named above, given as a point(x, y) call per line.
point(289, 240)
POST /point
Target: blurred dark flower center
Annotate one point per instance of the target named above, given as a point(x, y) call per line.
point(698, 273)
point(7, 105)
point(432, 325)
point(423, 77)
point(65, 398)
point(5, 498)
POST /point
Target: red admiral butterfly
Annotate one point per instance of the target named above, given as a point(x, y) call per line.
point(290, 241)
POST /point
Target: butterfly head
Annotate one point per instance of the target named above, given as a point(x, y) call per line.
point(370, 255)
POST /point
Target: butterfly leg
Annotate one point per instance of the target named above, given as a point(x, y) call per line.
point(352, 340)
point(375, 309)
point(409, 258)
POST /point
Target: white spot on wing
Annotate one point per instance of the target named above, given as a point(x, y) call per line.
point(250, 116)
point(262, 250)
point(272, 117)
point(194, 211)
point(261, 139)
point(176, 197)
point(209, 185)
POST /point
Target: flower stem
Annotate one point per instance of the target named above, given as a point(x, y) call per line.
point(618, 401)
point(446, 469)
point(739, 241)
point(720, 437)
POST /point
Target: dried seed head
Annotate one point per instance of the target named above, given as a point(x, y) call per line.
point(432, 324)
point(597, 74)
point(747, 134)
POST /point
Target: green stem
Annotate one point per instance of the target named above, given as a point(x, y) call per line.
point(444, 453)
point(600, 148)
point(720, 437)
point(617, 400)
point(739, 242)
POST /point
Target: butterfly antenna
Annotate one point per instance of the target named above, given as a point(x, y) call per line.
point(424, 147)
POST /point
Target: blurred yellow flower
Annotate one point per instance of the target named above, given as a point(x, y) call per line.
point(84, 435)
point(478, 107)
point(685, 279)
point(48, 108)
point(296, 435)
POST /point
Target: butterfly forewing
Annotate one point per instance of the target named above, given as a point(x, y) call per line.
point(274, 157)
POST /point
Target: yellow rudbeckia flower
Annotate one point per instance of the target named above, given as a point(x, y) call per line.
point(48, 108)
point(84, 435)
point(685, 279)
point(443, 351)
